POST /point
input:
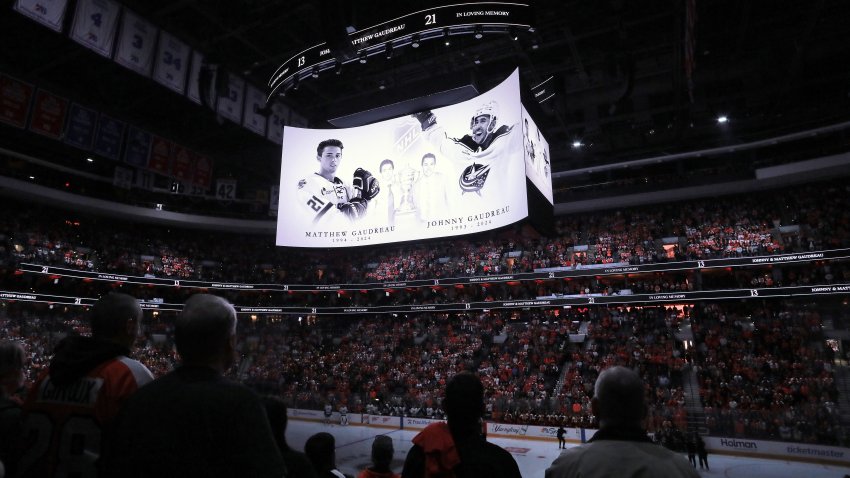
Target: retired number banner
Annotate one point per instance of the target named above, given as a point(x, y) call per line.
point(172, 62)
point(50, 13)
point(94, 25)
point(136, 43)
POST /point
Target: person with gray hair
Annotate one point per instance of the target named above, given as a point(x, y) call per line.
point(621, 446)
point(193, 422)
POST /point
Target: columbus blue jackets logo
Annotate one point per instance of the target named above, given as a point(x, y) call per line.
point(473, 177)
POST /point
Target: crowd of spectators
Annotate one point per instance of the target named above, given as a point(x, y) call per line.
point(815, 217)
point(762, 368)
point(766, 372)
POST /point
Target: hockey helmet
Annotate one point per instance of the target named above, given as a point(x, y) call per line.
point(490, 109)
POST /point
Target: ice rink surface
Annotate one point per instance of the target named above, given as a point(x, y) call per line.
point(354, 445)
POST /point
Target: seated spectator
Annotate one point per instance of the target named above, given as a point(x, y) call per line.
point(193, 422)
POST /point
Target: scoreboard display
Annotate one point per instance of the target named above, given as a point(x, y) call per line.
point(456, 170)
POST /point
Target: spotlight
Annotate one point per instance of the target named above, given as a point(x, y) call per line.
point(382, 86)
point(577, 144)
point(315, 73)
point(722, 119)
point(512, 32)
point(477, 60)
point(388, 50)
point(479, 32)
point(90, 160)
point(446, 39)
point(295, 82)
point(338, 68)
point(363, 57)
point(414, 42)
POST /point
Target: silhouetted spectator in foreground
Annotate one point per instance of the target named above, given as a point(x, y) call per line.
point(458, 446)
point(321, 450)
point(193, 422)
point(297, 463)
point(382, 457)
point(621, 446)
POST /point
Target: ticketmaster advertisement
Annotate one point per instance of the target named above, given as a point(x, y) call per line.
point(452, 171)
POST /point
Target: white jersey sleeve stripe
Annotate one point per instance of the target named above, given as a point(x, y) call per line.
point(139, 371)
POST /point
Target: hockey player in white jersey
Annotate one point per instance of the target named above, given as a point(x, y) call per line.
point(326, 198)
point(487, 142)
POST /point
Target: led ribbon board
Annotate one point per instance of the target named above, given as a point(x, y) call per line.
point(423, 22)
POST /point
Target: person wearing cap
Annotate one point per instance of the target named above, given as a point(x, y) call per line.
point(382, 457)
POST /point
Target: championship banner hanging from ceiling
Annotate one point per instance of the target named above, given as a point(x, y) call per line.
point(107, 138)
point(48, 114)
point(15, 99)
point(80, 129)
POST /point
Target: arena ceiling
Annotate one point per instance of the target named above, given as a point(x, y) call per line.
point(617, 67)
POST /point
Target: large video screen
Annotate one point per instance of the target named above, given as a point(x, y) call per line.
point(536, 150)
point(452, 171)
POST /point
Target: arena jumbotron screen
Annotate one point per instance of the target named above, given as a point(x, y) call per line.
point(456, 170)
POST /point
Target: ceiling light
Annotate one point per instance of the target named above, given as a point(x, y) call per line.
point(363, 57)
point(446, 39)
point(90, 160)
point(722, 119)
point(338, 67)
point(295, 82)
point(415, 41)
point(388, 50)
point(479, 32)
point(577, 144)
point(315, 73)
point(513, 33)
